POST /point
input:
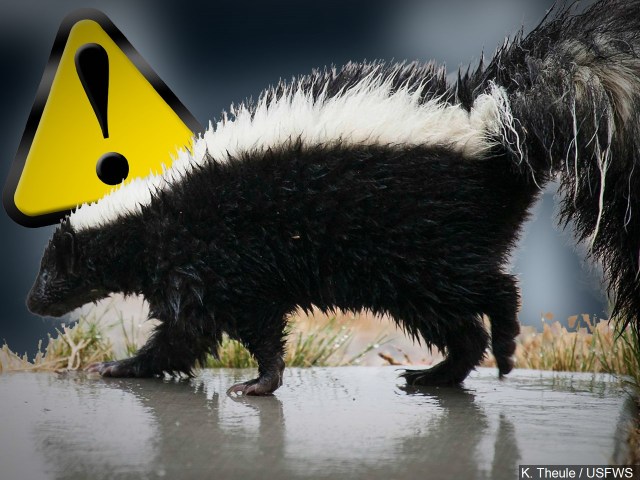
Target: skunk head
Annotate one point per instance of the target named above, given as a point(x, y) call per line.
point(62, 285)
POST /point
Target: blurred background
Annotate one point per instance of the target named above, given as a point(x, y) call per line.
point(212, 54)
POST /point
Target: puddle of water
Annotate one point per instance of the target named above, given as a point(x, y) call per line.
point(64, 428)
point(350, 422)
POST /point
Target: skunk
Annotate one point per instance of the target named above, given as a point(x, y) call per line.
point(375, 186)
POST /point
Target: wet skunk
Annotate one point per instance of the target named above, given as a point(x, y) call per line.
point(379, 187)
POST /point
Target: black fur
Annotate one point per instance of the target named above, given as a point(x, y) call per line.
point(416, 232)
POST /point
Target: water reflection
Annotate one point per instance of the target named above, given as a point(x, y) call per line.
point(361, 428)
point(56, 427)
point(325, 423)
point(480, 448)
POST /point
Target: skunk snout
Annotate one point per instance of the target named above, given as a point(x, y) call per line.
point(36, 305)
point(34, 301)
point(39, 302)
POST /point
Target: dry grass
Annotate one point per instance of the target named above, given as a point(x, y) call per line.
point(73, 348)
point(586, 346)
point(323, 344)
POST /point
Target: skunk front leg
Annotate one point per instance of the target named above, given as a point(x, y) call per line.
point(265, 340)
point(168, 350)
point(186, 334)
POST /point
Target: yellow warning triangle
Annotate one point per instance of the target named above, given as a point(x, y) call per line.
point(81, 139)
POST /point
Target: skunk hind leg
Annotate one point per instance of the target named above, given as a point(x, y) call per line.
point(466, 341)
point(503, 314)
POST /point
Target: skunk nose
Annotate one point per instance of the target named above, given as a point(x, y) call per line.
point(32, 304)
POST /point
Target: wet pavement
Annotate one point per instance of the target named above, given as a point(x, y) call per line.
point(339, 423)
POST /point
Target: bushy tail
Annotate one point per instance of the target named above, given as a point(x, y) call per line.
point(573, 86)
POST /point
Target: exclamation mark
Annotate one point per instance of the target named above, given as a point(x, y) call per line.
point(92, 65)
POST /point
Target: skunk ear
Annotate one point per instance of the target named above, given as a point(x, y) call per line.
point(69, 252)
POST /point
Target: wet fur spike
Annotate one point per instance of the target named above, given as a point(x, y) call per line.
point(378, 187)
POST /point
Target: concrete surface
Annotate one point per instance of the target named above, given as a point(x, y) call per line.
point(339, 423)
